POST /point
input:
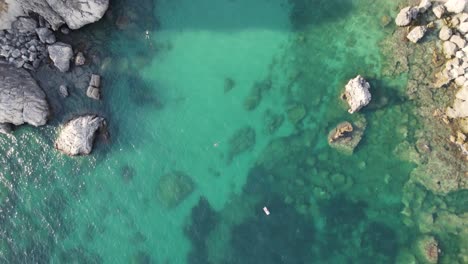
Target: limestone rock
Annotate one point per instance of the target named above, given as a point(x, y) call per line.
point(24, 25)
point(61, 53)
point(459, 41)
point(79, 13)
point(77, 136)
point(345, 137)
point(427, 249)
point(173, 188)
point(74, 13)
point(93, 93)
point(21, 98)
point(439, 10)
point(80, 59)
point(424, 5)
point(416, 33)
point(449, 48)
point(463, 27)
point(445, 33)
point(63, 90)
point(455, 6)
point(5, 128)
point(45, 35)
point(405, 16)
point(357, 94)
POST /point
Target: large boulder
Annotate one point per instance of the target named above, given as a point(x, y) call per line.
point(21, 98)
point(61, 54)
point(74, 13)
point(79, 13)
point(357, 94)
point(445, 33)
point(77, 136)
point(405, 16)
point(455, 6)
point(416, 33)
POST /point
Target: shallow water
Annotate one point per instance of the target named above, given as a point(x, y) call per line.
point(213, 93)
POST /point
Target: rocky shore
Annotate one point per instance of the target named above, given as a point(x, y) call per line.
point(29, 44)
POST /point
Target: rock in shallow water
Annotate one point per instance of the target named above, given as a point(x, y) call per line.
point(77, 136)
point(456, 6)
point(405, 16)
point(173, 188)
point(357, 94)
point(416, 33)
point(21, 98)
point(61, 53)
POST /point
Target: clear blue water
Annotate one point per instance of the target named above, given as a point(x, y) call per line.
point(238, 97)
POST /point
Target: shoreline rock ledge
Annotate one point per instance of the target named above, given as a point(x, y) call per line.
point(21, 98)
point(357, 94)
point(77, 136)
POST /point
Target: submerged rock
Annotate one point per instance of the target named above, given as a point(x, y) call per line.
point(173, 188)
point(61, 53)
point(357, 94)
point(21, 98)
point(242, 140)
point(416, 33)
point(80, 59)
point(296, 114)
point(427, 249)
point(345, 137)
point(77, 136)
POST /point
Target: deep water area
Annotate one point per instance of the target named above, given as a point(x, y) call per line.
point(222, 110)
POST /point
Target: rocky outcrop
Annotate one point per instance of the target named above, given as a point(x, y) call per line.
point(94, 86)
point(77, 136)
point(21, 99)
point(357, 94)
point(416, 33)
point(406, 15)
point(61, 54)
point(75, 14)
point(345, 136)
point(456, 6)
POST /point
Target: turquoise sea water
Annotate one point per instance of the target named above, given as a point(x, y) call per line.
point(238, 96)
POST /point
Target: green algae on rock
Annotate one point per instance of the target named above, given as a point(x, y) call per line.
point(346, 136)
point(241, 141)
point(173, 187)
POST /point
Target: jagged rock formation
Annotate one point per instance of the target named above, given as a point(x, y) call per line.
point(21, 99)
point(357, 94)
point(77, 136)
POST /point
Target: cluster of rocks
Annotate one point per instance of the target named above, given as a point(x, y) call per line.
point(94, 86)
point(27, 43)
point(452, 24)
point(346, 136)
point(21, 45)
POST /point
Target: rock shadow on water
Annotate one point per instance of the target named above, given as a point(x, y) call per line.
point(202, 221)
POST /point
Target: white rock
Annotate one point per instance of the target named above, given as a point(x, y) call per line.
point(416, 33)
point(463, 27)
point(61, 53)
point(357, 93)
point(405, 16)
point(463, 17)
point(455, 6)
point(445, 33)
point(459, 41)
point(424, 5)
point(77, 136)
point(460, 54)
point(449, 48)
point(460, 80)
point(439, 10)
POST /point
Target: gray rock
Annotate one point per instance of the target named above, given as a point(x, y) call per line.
point(18, 63)
point(95, 80)
point(61, 53)
point(80, 59)
point(93, 93)
point(63, 90)
point(24, 25)
point(21, 99)
point(65, 30)
point(455, 6)
point(5, 128)
point(405, 16)
point(45, 35)
point(74, 13)
point(77, 136)
point(16, 53)
point(439, 10)
point(445, 33)
point(357, 94)
point(416, 33)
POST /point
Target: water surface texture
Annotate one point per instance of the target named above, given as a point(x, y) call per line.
point(223, 110)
